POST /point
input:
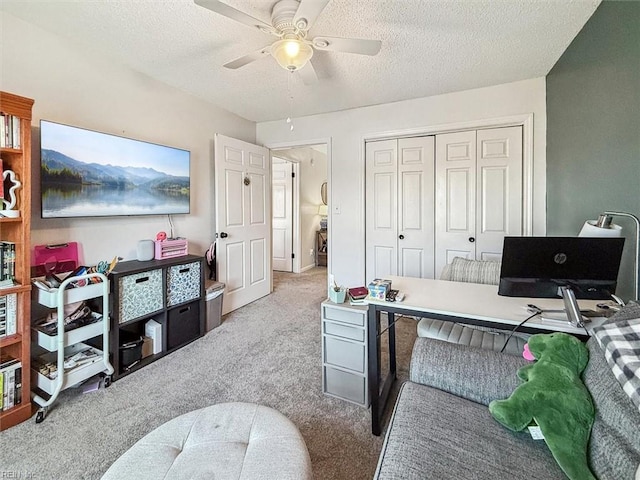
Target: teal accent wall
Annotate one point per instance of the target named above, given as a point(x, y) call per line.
point(593, 128)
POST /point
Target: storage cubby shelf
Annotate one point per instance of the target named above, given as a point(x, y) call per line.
point(177, 285)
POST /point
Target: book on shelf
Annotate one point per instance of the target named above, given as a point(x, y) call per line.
point(11, 380)
point(7, 263)
point(8, 314)
point(9, 131)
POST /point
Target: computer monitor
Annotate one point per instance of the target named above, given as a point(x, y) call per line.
point(540, 266)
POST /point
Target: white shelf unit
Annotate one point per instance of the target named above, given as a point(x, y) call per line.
point(68, 343)
point(344, 352)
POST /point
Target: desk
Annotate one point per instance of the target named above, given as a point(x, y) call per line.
point(469, 303)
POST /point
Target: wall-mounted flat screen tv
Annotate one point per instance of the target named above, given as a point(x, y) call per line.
point(91, 174)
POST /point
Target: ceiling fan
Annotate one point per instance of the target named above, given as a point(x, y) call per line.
point(290, 22)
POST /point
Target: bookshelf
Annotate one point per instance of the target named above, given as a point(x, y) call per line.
point(16, 156)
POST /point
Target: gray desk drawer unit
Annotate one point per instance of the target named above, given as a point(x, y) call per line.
point(344, 352)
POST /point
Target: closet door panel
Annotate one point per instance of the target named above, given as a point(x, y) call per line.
point(380, 209)
point(499, 190)
point(412, 262)
point(455, 180)
point(416, 206)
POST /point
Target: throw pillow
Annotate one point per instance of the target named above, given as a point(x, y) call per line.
point(619, 338)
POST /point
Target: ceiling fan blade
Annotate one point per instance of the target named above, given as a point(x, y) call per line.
point(308, 12)
point(349, 45)
point(230, 12)
point(251, 57)
point(308, 74)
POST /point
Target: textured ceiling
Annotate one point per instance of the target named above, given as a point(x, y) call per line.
point(429, 47)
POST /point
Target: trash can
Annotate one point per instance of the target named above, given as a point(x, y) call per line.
point(214, 291)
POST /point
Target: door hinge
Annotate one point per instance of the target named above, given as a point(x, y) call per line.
point(293, 174)
point(293, 255)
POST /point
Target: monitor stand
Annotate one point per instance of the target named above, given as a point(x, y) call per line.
point(571, 306)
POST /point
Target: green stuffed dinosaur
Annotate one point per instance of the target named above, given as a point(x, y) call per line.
point(554, 396)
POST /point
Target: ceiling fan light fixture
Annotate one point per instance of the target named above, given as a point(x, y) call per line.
point(291, 53)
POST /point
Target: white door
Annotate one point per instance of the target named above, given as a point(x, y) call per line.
point(499, 192)
point(478, 193)
point(243, 220)
point(455, 197)
point(399, 207)
point(381, 206)
point(415, 207)
point(282, 208)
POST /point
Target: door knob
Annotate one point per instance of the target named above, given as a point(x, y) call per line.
point(223, 235)
point(471, 239)
point(401, 237)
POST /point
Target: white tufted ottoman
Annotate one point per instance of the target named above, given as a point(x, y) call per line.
point(239, 441)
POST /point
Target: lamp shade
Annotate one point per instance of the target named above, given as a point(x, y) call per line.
point(292, 54)
point(590, 229)
point(323, 210)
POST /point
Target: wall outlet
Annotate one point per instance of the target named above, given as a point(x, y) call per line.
point(311, 252)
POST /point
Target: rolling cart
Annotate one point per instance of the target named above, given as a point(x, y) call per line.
point(83, 361)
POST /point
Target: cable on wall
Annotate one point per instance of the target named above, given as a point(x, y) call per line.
point(170, 226)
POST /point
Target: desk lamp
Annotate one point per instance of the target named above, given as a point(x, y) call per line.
point(603, 227)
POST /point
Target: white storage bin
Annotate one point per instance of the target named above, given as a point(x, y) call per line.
point(50, 342)
point(71, 295)
point(72, 376)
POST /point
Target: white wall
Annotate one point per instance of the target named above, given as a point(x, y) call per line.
point(347, 131)
point(312, 172)
point(74, 86)
point(311, 179)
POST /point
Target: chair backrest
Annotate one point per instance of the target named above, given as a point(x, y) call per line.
point(472, 271)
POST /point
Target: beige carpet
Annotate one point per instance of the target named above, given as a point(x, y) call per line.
point(267, 352)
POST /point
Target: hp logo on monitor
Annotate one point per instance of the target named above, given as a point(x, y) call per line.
point(560, 258)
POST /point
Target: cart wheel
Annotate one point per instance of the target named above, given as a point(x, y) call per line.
point(40, 415)
point(107, 381)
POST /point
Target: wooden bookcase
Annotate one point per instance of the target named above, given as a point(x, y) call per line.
point(18, 230)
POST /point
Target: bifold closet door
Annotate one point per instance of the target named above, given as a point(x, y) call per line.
point(399, 207)
point(478, 193)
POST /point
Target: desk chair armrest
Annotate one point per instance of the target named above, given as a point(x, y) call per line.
point(473, 373)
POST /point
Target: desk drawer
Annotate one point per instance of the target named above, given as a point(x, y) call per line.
point(345, 331)
point(345, 354)
point(354, 317)
point(349, 386)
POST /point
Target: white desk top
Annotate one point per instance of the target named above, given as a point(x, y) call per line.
point(480, 302)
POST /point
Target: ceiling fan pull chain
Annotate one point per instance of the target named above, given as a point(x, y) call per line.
point(289, 92)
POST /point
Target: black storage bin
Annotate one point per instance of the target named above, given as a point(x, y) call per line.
point(130, 349)
point(183, 324)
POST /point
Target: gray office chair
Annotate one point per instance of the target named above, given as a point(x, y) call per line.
point(472, 271)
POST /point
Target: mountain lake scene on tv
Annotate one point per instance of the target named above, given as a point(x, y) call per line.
point(75, 188)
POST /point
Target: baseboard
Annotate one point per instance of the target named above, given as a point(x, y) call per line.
point(308, 267)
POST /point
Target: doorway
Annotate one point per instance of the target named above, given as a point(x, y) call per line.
point(307, 167)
